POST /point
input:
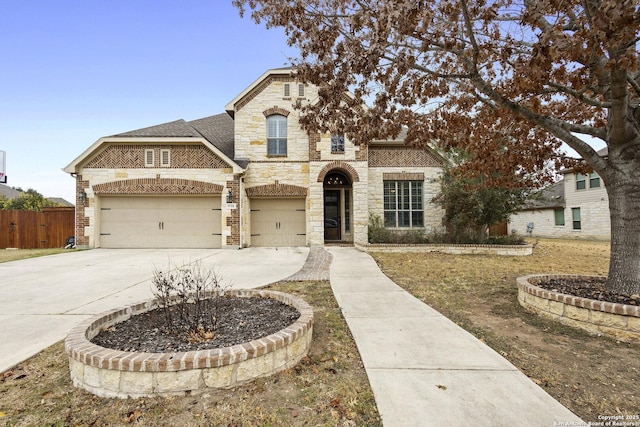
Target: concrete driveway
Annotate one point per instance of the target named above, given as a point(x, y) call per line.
point(43, 298)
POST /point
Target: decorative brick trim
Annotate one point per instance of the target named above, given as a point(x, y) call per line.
point(157, 186)
point(233, 220)
point(618, 321)
point(314, 153)
point(276, 190)
point(104, 371)
point(402, 156)
point(259, 88)
point(276, 110)
point(342, 167)
point(82, 220)
point(131, 156)
point(403, 176)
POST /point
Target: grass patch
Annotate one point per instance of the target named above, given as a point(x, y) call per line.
point(328, 388)
point(7, 255)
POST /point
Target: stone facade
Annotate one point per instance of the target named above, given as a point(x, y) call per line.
point(593, 205)
point(226, 157)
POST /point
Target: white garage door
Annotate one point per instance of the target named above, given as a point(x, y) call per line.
point(160, 222)
point(278, 222)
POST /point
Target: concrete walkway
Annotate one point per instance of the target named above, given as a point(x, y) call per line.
point(424, 369)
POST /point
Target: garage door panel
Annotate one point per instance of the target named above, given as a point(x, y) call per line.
point(278, 222)
point(160, 222)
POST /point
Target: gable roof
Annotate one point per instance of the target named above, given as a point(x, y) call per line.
point(214, 131)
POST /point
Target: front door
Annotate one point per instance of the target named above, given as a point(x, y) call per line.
point(332, 224)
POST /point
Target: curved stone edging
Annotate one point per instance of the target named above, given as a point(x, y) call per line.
point(618, 321)
point(509, 250)
point(111, 373)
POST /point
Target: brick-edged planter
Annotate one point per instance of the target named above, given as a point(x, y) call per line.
point(618, 321)
point(112, 373)
point(509, 250)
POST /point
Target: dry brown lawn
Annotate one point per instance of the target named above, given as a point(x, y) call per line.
point(592, 376)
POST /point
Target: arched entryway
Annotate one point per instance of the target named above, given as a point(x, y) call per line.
point(337, 207)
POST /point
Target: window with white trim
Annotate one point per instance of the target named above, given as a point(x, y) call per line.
point(403, 204)
point(276, 135)
point(594, 180)
point(558, 215)
point(149, 158)
point(287, 90)
point(581, 182)
point(301, 90)
point(165, 158)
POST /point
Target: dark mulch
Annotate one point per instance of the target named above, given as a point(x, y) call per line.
point(240, 320)
point(591, 288)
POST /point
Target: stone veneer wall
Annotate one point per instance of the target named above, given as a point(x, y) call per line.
point(112, 373)
point(618, 321)
point(433, 213)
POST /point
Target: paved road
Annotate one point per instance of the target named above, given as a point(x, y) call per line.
point(43, 298)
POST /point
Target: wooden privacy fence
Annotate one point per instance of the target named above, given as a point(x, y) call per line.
point(36, 230)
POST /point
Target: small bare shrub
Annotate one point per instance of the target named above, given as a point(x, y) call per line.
point(189, 297)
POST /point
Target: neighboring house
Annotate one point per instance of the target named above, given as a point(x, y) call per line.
point(249, 177)
point(576, 206)
point(7, 192)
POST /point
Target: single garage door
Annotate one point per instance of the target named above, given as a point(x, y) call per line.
point(160, 222)
point(278, 222)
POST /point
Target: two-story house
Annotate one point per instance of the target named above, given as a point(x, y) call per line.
point(575, 206)
point(250, 176)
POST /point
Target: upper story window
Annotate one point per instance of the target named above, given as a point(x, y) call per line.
point(301, 90)
point(581, 181)
point(337, 143)
point(287, 90)
point(276, 135)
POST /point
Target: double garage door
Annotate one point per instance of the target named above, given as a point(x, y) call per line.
point(278, 222)
point(160, 222)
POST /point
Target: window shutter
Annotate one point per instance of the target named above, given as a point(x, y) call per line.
point(287, 90)
point(301, 90)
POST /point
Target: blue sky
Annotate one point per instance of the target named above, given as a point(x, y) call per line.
point(74, 71)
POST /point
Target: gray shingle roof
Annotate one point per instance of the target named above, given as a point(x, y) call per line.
point(217, 129)
point(8, 192)
point(548, 198)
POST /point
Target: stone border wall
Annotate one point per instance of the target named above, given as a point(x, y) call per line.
point(510, 250)
point(618, 321)
point(111, 373)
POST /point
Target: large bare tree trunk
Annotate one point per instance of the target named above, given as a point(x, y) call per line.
point(624, 207)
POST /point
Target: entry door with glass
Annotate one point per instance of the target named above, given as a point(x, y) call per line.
point(332, 223)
